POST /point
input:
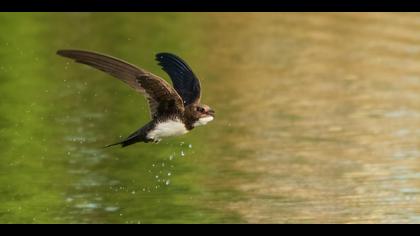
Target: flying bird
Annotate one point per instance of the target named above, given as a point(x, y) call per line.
point(174, 110)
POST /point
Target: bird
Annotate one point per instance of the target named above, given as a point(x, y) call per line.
point(174, 110)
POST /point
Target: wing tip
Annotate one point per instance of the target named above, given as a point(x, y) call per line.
point(167, 58)
point(61, 52)
point(75, 52)
point(163, 53)
point(161, 56)
point(65, 52)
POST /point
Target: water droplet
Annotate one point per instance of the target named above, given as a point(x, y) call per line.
point(69, 199)
point(169, 174)
point(111, 209)
point(190, 145)
point(168, 182)
point(133, 192)
point(182, 153)
point(157, 176)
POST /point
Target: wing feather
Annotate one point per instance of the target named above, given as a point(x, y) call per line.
point(183, 78)
point(155, 89)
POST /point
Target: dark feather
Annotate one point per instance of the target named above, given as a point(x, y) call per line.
point(184, 81)
point(135, 137)
point(153, 87)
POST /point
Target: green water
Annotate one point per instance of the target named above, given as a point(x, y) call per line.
point(318, 120)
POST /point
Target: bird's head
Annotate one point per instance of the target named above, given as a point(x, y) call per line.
point(202, 114)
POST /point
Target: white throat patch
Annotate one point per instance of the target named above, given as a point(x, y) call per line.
point(203, 121)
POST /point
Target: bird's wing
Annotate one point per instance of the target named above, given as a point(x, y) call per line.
point(185, 82)
point(161, 96)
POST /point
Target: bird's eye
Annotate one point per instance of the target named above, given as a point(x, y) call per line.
point(200, 109)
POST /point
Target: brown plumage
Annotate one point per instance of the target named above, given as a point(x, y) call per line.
point(169, 106)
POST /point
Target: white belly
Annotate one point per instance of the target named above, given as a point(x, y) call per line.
point(166, 129)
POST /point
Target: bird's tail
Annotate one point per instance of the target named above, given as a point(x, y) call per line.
point(133, 138)
point(114, 144)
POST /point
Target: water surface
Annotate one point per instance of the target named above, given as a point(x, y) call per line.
point(318, 120)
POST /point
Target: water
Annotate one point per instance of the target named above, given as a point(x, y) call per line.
point(317, 120)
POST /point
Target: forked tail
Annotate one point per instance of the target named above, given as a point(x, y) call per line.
point(132, 139)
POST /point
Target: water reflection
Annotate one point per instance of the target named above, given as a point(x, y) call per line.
point(318, 120)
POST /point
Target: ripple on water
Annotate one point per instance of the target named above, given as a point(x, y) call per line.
point(88, 205)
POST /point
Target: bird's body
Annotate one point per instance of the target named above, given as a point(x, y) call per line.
point(174, 110)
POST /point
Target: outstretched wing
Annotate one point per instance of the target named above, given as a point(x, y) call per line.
point(161, 96)
point(185, 82)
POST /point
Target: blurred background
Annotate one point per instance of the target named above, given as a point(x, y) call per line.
point(318, 119)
